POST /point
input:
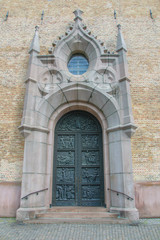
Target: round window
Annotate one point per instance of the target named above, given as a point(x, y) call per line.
point(78, 64)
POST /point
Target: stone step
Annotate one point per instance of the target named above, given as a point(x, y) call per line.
point(77, 209)
point(77, 215)
point(78, 220)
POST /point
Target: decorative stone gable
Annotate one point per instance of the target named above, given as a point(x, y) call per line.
point(102, 71)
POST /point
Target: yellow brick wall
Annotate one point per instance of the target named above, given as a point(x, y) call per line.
point(142, 36)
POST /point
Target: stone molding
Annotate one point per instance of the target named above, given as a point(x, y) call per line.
point(25, 130)
point(129, 129)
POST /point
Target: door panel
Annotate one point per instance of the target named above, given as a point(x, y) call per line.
point(91, 169)
point(78, 165)
point(64, 193)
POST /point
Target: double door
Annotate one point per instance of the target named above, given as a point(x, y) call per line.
point(78, 165)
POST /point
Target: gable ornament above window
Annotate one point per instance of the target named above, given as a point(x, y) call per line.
point(78, 56)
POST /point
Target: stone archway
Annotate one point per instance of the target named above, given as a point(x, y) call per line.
point(119, 169)
point(62, 110)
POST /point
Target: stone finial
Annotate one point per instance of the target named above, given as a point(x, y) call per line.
point(35, 42)
point(36, 28)
point(120, 41)
point(78, 14)
point(119, 26)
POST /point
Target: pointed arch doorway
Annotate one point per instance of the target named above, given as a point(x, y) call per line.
point(78, 161)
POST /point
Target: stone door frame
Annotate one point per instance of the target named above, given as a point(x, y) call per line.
point(99, 116)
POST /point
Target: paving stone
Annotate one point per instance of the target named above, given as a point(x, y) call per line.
point(147, 229)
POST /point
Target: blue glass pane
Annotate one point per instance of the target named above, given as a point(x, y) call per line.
point(78, 64)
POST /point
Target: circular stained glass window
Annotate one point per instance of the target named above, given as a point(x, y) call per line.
point(78, 64)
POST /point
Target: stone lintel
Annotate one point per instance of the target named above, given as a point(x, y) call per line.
point(25, 130)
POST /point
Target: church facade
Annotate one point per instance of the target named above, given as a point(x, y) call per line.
point(77, 125)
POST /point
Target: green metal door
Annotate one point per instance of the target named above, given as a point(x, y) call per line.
point(78, 163)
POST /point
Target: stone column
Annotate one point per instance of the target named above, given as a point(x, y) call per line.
point(35, 148)
point(34, 174)
point(121, 176)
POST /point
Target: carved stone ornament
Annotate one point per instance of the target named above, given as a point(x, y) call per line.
point(77, 39)
point(49, 81)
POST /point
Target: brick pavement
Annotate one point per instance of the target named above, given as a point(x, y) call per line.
point(147, 229)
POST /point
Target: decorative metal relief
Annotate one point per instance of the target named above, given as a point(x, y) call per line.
point(65, 192)
point(90, 141)
point(66, 142)
point(76, 122)
point(65, 175)
point(90, 158)
point(65, 158)
point(91, 192)
point(90, 175)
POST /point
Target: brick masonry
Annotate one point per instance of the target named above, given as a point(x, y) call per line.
point(142, 36)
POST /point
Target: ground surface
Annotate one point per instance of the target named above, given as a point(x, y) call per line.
point(147, 229)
